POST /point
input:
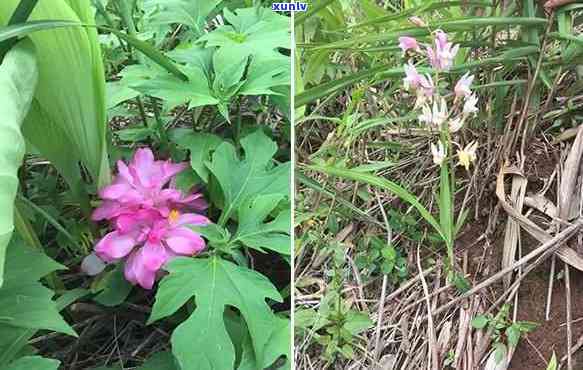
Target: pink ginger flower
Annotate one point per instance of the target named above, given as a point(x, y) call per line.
point(441, 58)
point(149, 241)
point(150, 218)
point(141, 185)
point(406, 43)
point(462, 87)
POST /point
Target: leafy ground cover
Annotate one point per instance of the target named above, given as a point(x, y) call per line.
point(435, 230)
point(145, 185)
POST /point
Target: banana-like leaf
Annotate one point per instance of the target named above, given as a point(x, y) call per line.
point(69, 105)
point(18, 78)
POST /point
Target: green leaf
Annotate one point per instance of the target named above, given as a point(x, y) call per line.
point(254, 232)
point(202, 342)
point(513, 335)
point(384, 184)
point(160, 361)
point(174, 91)
point(69, 106)
point(18, 77)
point(26, 28)
point(200, 145)
point(263, 76)
point(254, 175)
point(25, 302)
point(191, 13)
point(252, 32)
point(480, 321)
point(357, 322)
point(115, 288)
point(33, 362)
point(553, 364)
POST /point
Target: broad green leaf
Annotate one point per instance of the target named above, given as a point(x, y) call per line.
point(252, 32)
point(200, 145)
point(357, 322)
point(253, 230)
point(202, 342)
point(383, 184)
point(115, 288)
point(24, 301)
point(118, 92)
point(263, 76)
point(196, 91)
point(160, 361)
point(69, 102)
point(191, 13)
point(254, 175)
point(480, 322)
point(18, 77)
point(33, 362)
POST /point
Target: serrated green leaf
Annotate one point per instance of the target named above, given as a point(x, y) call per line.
point(202, 342)
point(191, 13)
point(263, 76)
point(254, 175)
point(174, 91)
point(18, 78)
point(200, 145)
point(252, 32)
point(254, 232)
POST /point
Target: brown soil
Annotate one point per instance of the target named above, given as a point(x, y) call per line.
point(534, 352)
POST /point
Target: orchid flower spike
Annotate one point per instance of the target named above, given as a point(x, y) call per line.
point(436, 115)
point(456, 124)
point(470, 105)
point(462, 88)
point(406, 43)
point(467, 155)
point(438, 153)
point(442, 55)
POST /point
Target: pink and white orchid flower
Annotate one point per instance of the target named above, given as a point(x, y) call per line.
point(462, 87)
point(406, 43)
point(441, 56)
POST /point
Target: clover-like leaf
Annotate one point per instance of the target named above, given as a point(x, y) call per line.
point(256, 233)
point(202, 341)
point(251, 176)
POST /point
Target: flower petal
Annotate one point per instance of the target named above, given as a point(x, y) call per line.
point(192, 219)
point(136, 273)
point(107, 210)
point(154, 256)
point(114, 246)
point(184, 241)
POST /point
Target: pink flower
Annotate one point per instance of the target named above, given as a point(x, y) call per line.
point(406, 43)
point(149, 242)
point(149, 217)
point(462, 87)
point(141, 184)
point(414, 80)
point(441, 58)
